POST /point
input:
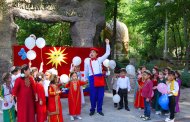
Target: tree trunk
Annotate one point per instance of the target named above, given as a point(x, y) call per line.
point(180, 41)
point(186, 40)
point(174, 39)
point(7, 38)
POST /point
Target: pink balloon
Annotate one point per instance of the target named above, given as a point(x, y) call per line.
point(162, 88)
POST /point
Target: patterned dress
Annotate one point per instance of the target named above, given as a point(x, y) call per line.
point(8, 106)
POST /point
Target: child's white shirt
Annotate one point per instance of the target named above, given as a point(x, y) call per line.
point(123, 83)
point(46, 85)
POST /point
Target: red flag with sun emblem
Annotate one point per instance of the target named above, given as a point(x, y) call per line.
point(57, 57)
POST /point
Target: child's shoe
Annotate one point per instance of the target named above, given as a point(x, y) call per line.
point(72, 118)
point(169, 120)
point(146, 119)
point(142, 116)
point(158, 112)
point(78, 117)
point(166, 114)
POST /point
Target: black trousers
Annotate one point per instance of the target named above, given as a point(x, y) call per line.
point(172, 106)
point(46, 101)
point(114, 93)
point(123, 93)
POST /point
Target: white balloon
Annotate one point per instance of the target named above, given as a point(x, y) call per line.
point(40, 42)
point(116, 98)
point(53, 71)
point(30, 43)
point(77, 61)
point(64, 78)
point(112, 64)
point(130, 69)
point(31, 55)
point(106, 63)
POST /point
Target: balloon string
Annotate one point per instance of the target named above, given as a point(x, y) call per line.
point(41, 55)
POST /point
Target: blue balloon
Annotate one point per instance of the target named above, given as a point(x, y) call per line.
point(164, 101)
point(22, 53)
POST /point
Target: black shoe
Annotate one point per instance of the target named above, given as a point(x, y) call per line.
point(101, 113)
point(127, 109)
point(120, 108)
point(91, 113)
point(115, 106)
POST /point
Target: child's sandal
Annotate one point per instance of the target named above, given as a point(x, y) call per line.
point(146, 118)
point(142, 116)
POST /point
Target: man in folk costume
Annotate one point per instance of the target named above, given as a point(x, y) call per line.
point(93, 69)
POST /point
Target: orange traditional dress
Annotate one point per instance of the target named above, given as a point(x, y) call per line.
point(74, 98)
point(54, 105)
point(139, 100)
point(41, 108)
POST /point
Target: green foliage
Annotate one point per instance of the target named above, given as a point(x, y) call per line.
point(185, 77)
point(56, 34)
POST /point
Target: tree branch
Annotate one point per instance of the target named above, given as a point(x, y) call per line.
point(42, 16)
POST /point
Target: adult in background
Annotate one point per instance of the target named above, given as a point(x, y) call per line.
point(24, 91)
point(93, 68)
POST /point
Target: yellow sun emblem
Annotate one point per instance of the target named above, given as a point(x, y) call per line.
point(56, 57)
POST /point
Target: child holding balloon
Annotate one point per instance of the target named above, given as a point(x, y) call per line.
point(114, 84)
point(173, 89)
point(157, 93)
point(75, 67)
point(123, 87)
point(74, 97)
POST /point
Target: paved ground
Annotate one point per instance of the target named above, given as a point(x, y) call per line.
point(113, 115)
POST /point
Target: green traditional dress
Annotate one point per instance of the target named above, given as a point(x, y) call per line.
point(8, 106)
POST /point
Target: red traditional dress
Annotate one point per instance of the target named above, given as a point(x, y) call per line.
point(41, 108)
point(139, 100)
point(54, 105)
point(25, 99)
point(74, 98)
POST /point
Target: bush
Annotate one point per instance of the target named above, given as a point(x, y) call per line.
point(185, 77)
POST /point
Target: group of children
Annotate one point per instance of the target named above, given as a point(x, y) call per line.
point(146, 94)
point(37, 95)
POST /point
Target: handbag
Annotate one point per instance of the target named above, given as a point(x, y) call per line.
point(99, 80)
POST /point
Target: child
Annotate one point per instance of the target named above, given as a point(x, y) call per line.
point(33, 71)
point(8, 103)
point(147, 94)
point(155, 78)
point(46, 84)
point(114, 84)
point(74, 98)
point(139, 100)
point(15, 71)
point(41, 103)
point(158, 94)
point(173, 89)
point(123, 87)
point(177, 75)
point(79, 74)
point(54, 103)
